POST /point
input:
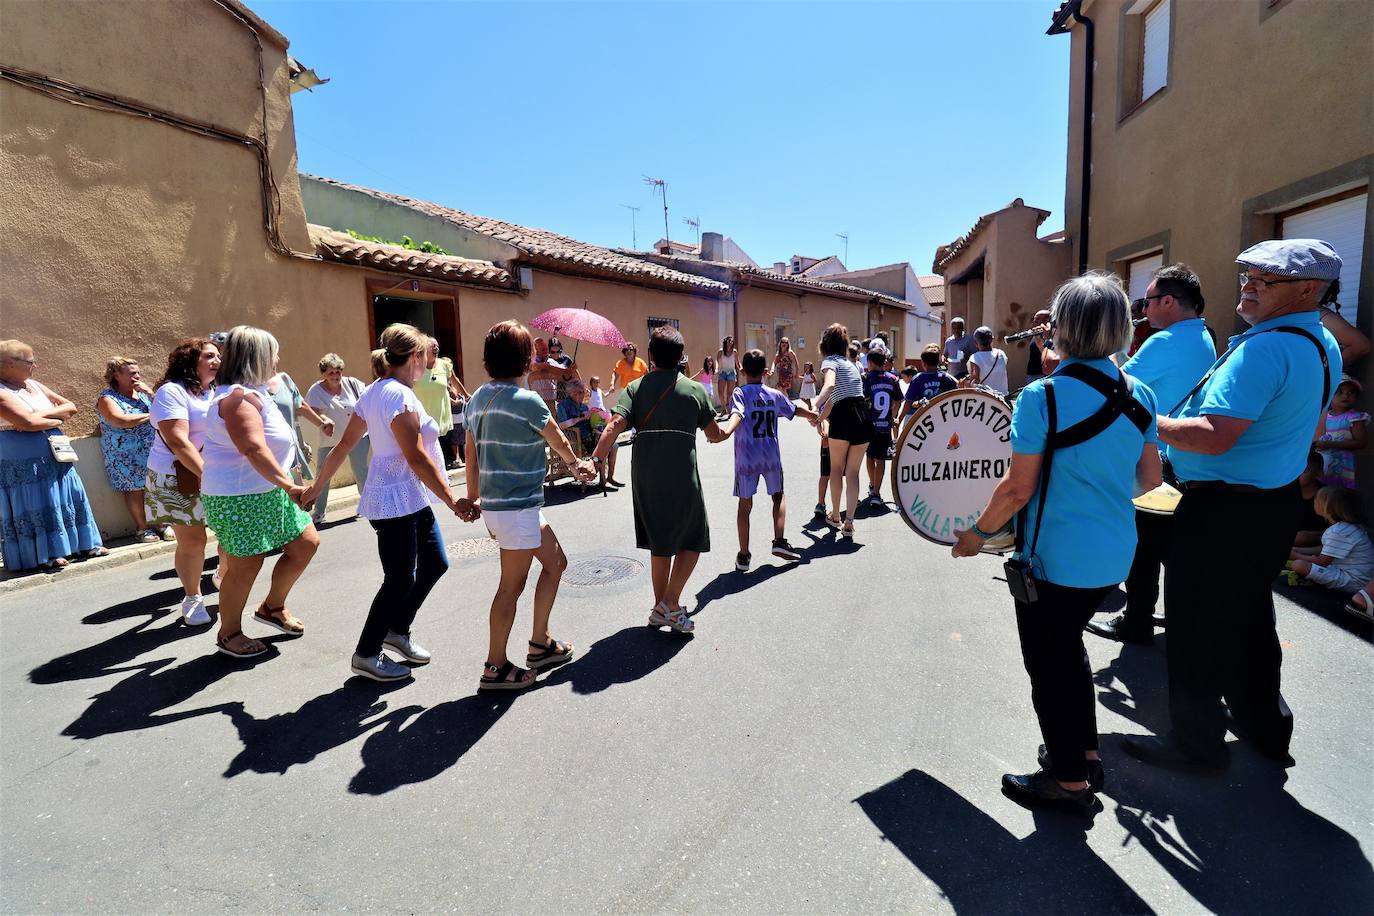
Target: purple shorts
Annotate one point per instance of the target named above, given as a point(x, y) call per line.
point(746, 485)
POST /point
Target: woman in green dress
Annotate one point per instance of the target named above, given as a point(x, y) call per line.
point(666, 409)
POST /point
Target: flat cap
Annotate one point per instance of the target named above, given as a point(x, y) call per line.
point(1302, 259)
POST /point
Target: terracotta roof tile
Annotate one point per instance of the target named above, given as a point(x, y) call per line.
point(541, 246)
point(946, 253)
point(333, 245)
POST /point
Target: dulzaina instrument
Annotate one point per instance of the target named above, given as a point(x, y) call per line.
point(949, 461)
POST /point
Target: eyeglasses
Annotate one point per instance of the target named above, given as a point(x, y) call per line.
point(27, 362)
point(1265, 284)
point(1144, 301)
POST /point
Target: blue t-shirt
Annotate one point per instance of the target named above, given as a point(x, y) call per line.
point(927, 385)
point(1172, 360)
point(1087, 539)
point(882, 392)
point(1274, 380)
point(507, 422)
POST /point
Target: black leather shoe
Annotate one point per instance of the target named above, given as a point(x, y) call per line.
point(1160, 621)
point(1119, 630)
point(1279, 755)
point(1040, 790)
point(1097, 777)
point(1164, 752)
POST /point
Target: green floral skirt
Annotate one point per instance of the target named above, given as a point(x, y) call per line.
point(254, 524)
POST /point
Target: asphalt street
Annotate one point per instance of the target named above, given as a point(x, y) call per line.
point(830, 741)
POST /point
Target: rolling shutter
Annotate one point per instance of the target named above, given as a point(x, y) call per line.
point(1155, 58)
point(1341, 224)
point(1138, 274)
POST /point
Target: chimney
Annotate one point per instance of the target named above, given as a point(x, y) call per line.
point(780, 267)
point(712, 246)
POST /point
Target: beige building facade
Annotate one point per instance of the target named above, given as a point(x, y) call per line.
point(1217, 125)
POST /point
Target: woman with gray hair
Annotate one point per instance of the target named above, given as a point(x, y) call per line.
point(1083, 445)
point(334, 397)
point(250, 500)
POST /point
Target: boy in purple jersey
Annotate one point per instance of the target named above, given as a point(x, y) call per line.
point(883, 393)
point(923, 387)
point(757, 408)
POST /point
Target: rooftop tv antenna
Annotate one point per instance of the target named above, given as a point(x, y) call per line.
point(844, 236)
point(695, 223)
point(660, 186)
point(634, 231)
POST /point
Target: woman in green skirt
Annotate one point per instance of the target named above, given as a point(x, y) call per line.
point(250, 500)
point(665, 408)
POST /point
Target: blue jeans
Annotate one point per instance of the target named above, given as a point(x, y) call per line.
point(411, 549)
point(356, 458)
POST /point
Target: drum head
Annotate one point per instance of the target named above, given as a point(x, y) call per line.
point(949, 461)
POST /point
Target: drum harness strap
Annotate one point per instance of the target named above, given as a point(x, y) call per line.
point(1119, 401)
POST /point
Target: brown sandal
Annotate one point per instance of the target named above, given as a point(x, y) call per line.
point(222, 645)
point(279, 618)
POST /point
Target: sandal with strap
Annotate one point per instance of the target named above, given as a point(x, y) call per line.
point(675, 619)
point(847, 533)
point(222, 645)
point(279, 618)
point(834, 522)
point(56, 564)
point(1364, 611)
point(550, 655)
point(505, 677)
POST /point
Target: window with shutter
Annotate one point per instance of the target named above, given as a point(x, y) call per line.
point(1154, 58)
point(1138, 274)
point(1340, 223)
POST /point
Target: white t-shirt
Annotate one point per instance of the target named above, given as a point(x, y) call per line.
point(392, 489)
point(337, 407)
point(227, 472)
point(174, 402)
point(992, 368)
point(1349, 545)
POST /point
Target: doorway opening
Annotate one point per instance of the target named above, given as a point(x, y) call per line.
point(428, 306)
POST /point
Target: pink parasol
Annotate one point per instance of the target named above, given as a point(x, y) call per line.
point(581, 324)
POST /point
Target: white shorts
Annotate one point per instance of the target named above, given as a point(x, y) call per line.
point(516, 529)
point(1336, 578)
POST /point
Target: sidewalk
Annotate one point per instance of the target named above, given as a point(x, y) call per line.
point(343, 501)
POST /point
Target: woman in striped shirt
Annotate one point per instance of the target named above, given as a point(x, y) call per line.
point(841, 401)
point(507, 428)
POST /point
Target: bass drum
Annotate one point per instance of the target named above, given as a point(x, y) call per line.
point(949, 461)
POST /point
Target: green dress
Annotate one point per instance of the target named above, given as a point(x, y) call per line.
point(670, 511)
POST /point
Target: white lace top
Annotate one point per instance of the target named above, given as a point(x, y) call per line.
point(392, 489)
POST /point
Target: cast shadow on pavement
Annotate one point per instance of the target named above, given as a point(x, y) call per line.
point(170, 572)
point(981, 867)
point(620, 658)
point(1327, 604)
point(275, 744)
point(111, 655)
point(138, 700)
point(733, 582)
point(1240, 842)
point(429, 744)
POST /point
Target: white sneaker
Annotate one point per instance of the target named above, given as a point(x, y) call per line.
point(217, 576)
point(193, 611)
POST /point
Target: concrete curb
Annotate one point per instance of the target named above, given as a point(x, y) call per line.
point(342, 502)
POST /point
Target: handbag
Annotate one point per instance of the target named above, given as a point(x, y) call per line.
point(62, 450)
point(187, 480)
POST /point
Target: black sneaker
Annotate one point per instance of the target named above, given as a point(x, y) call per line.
point(741, 562)
point(784, 550)
point(1097, 777)
point(1039, 790)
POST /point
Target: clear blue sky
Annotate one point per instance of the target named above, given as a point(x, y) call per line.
point(779, 124)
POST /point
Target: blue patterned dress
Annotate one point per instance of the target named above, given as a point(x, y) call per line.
point(126, 450)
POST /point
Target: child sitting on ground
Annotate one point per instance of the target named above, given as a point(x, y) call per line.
point(758, 408)
point(1345, 559)
point(1310, 523)
point(1345, 434)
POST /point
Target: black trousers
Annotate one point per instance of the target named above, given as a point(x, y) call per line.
point(1051, 632)
point(1228, 546)
point(411, 549)
point(1153, 533)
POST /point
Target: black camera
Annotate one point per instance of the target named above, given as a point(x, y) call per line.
point(1020, 581)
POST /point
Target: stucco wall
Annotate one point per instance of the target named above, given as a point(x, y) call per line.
point(1256, 101)
point(812, 315)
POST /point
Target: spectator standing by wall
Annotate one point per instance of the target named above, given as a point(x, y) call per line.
point(126, 438)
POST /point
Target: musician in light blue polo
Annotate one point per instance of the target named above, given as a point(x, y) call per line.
point(1237, 447)
point(1170, 361)
point(1083, 444)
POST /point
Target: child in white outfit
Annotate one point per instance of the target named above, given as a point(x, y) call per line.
point(1345, 559)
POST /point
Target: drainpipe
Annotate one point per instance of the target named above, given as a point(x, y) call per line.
point(1086, 187)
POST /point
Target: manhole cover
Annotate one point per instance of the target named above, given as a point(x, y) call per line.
point(601, 571)
point(469, 548)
